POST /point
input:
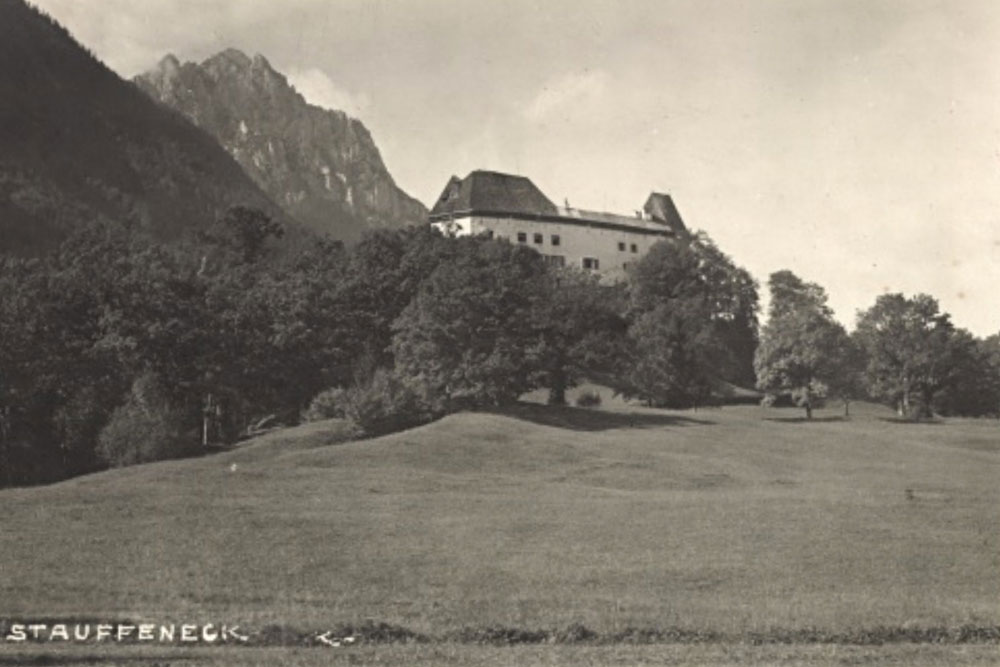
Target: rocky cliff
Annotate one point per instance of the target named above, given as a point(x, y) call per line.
point(78, 144)
point(320, 165)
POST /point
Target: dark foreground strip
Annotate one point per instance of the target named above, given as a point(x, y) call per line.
point(50, 631)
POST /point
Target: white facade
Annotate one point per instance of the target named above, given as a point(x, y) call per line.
point(591, 241)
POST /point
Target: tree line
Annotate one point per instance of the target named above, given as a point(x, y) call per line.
point(117, 349)
point(904, 352)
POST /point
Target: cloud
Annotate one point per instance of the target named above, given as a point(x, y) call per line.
point(319, 89)
point(568, 95)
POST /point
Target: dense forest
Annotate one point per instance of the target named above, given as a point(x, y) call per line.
point(119, 349)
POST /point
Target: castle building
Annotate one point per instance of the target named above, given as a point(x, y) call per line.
point(513, 208)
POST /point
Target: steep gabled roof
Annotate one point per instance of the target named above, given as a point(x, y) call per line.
point(660, 207)
point(491, 191)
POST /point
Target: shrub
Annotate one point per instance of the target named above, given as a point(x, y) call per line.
point(386, 404)
point(588, 399)
point(146, 428)
point(327, 404)
point(383, 404)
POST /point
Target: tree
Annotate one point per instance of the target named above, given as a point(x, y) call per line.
point(974, 389)
point(243, 337)
point(56, 385)
point(468, 336)
point(382, 275)
point(735, 304)
point(24, 393)
point(802, 347)
point(909, 346)
point(990, 349)
point(581, 330)
point(145, 428)
point(693, 317)
point(243, 231)
point(847, 380)
point(674, 356)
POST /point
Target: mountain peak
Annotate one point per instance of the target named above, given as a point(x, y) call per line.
point(168, 69)
point(232, 57)
point(234, 64)
point(260, 62)
point(80, 145)
point(169, 62)
point(320, 165)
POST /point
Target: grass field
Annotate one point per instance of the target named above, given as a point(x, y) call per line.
point(728, 522)
point(451, 655)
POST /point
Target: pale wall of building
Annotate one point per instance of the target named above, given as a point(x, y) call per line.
point(576, 241)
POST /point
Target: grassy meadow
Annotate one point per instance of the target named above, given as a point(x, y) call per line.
point(729, 521)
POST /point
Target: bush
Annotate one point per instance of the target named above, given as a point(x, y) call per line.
point(327, 404)
point(146, 428)
point(384, 404)
point(588, 399)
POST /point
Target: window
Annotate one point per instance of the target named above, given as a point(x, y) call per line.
point(539, 239)
point(591, 263)
point(634, 248)
point(522, 237)
point(621, 246)
point(555, 239)
point(554, 260)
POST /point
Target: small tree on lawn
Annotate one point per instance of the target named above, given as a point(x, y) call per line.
point(909, 345)
point(801, 346)
point(847, 381)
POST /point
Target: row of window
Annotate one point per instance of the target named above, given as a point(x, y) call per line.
point(522, 237)
point(589, 263)
point(539, 239)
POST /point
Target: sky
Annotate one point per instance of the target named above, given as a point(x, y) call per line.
point(854, 142)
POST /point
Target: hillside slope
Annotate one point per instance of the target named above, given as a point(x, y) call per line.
point(728, 520)
point(77, 143)
point(321, 165)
